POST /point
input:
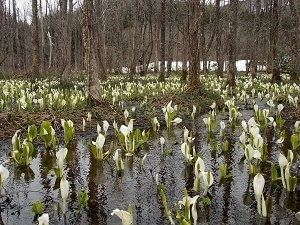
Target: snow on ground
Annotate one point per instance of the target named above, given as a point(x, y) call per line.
point(211, 65)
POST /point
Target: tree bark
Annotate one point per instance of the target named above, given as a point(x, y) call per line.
point(274, 33)
point(99, 30)
point(220, 62)
point(156, 46)
point(194, 62)
point(146, 37)
point(233, 9)
point(184, 48)
point(35, 41)
point(42, 55)
point(135, 35)
point(254, 50)
point(295, 33)
point(146, 53)
point(94, 94)
point(50, 48)
point(2, 57)
point(161, 76)
point(171, 36)
point(65, 41)
point(16, 45)
point(170, 50)
point(202, 38)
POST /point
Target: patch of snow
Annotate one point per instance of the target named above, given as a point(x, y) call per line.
point(241, 65)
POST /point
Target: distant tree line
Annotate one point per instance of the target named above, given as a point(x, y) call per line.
point(104, 36)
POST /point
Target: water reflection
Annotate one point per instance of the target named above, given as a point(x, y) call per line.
point(232, 199)
point(24, 173)
point(47, 160)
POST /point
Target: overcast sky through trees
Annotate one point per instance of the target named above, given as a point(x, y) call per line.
point(24, 6)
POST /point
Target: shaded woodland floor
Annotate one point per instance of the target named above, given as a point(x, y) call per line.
point(15, 120)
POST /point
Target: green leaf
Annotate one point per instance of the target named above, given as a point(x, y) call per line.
point(295, 141)
point(83, 197)
point(223, 170)
point(225, 146)
point(274, 173)
point(32, 133)
point(293, 182)
point(269, 204)
point(95, 151)
point(37, 208)
point(206, 201)
point(57, 172)
point(46, 133)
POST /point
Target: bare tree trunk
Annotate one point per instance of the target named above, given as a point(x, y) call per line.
point(22, 41)
point(170, 50)
point(16, 45)
point(274, 42)
point(119, 47)
point(35, 41)
point(1, 32)
point(220, 62)
point(134, 41)
point(177, 50)
point(42, 38)
point(268, 9)
point(66, 26)
point(202, 38)
point(184, 50)
point(232, 42)
point(184, 73)
point(50, 48)
point(194, 62)
point(156, 46)
point(147, 38)
point(94, 94)
point(146, 43)
point(295, 33)
point(254, 50)
point(172, 11)
point(70, 34)
point(161, 76)
point(8, 40)
point(78, 48)
point(184, 46)
point(99, 30)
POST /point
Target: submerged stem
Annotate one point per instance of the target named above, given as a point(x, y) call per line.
point(282, 177)
point(258, 199)
point(64, 206)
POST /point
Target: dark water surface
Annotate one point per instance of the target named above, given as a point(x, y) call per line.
point(232, 200)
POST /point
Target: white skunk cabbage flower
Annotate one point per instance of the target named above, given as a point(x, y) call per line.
point(126, 217)
point(105, 126)
point(44, 219)
point(4, 174)
point(99, 141)
point(282, 163)
point(177, 120)
point(208, 180)
point(280, 108)
point(126, 114)
point(258, 186)
point(64, 191)
point(297, 215)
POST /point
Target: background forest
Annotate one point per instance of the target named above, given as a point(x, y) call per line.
point(80, 142)
point(52, 37)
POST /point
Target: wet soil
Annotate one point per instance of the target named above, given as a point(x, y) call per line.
point(20, 120)
point(232, 199)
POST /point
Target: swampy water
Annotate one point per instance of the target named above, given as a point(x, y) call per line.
point(232, 200)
